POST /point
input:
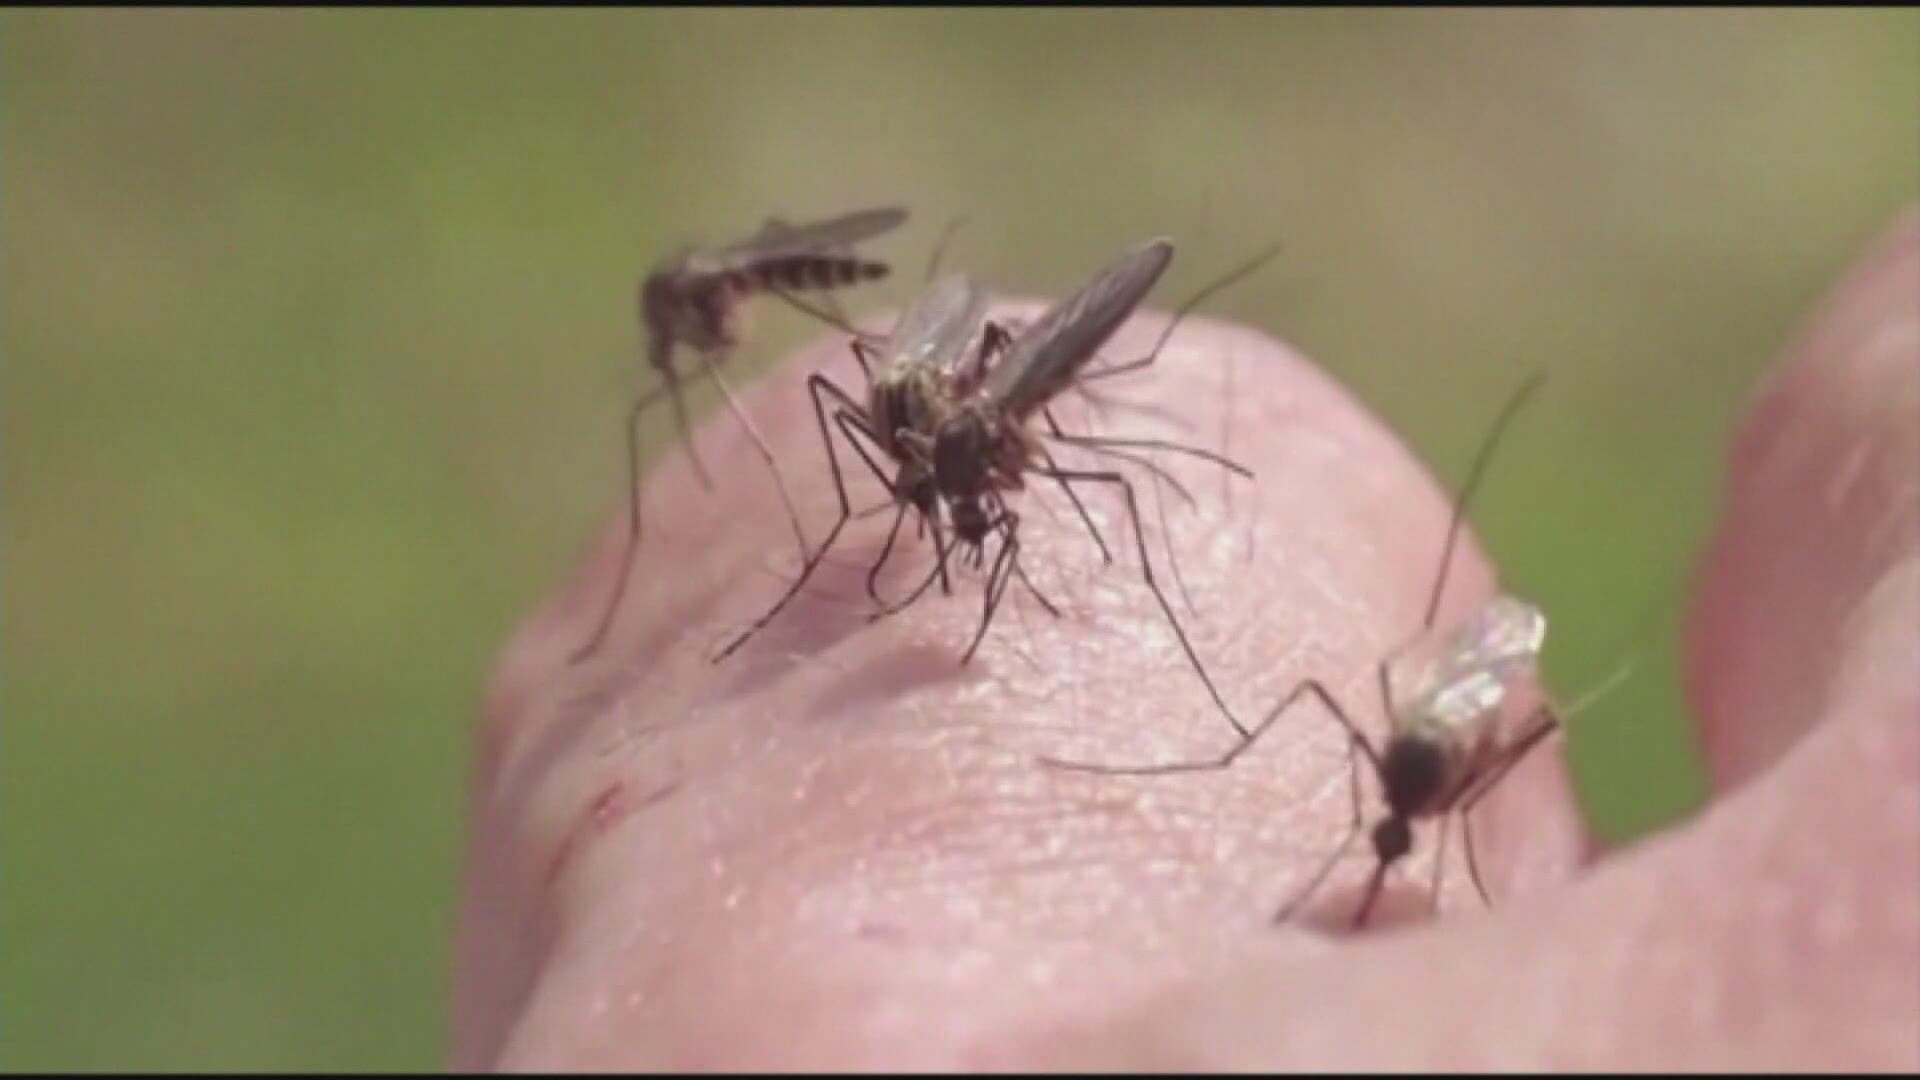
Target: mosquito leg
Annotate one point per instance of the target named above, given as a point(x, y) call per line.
point(861, 425)
point(997, 580)
point(1106, 554)
point(1021, 572)
point(1146, 572)
point(848, 419)
point(1355, 742)
point(832, 318)
point(886, 550)
point(862, 355)
point(940, 550)
point(1186, 309)
point(633, 525)
point(936, 574)
point(680, 420)
point(1110, 448)
point(893, 499)
point(1096, 441)
point(1159, 471)
point(766, 452)
point(1439, 863)
point(1008, 525)
point(1166, 537)
point(1357, 739)
point(1545, 724)
point(1374, 884)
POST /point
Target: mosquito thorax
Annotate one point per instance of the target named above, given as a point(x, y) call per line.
point(961, 453)
point(1413, 772)
point(670, 307)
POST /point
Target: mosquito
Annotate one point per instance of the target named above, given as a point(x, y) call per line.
point(697, 298)
point(1457, 702)
point(938, 347)
point(914, 388)
point(983, 445)
point(922, 365)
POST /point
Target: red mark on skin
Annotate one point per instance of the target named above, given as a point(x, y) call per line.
point(610, 807)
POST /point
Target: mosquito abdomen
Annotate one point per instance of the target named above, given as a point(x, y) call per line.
point(802, 272)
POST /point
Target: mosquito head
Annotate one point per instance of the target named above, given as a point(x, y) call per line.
point(656, 296)
point(665, 304)
point(970, 522)
point(1413, 771)
point(699, 309)
point(1392, 839)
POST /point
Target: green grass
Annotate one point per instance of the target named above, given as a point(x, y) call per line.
point(316, 326)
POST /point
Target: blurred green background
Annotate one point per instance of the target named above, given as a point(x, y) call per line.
point(317, 330)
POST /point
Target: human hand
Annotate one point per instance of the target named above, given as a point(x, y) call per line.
point(835, 850)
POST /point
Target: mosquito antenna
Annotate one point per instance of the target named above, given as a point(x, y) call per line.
point(1606, 686)
point(1229, 278)
point(1166, 333)
point(1467, 489)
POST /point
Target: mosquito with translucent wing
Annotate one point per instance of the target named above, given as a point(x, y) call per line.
point(1463, 707)
point(940, 343)
point(936, 354)
point(969, 441)
point(985, 444)
point(698, 298)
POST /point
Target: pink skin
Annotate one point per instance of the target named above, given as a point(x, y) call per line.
point(835, 850)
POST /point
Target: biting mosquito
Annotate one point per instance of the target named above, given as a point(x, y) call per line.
point(939, 345)
point(698, 298)
point(971, 442)
point(1457, 704)
point(985, 446)
point(939, 348)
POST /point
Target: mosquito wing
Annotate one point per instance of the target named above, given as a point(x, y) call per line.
point(935, 330)
point(1042, 361)
point(777, 238)
point(1475, 671)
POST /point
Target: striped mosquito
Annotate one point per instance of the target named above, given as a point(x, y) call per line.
point(979, 444)
point(698, 298)
point(1463, 707)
